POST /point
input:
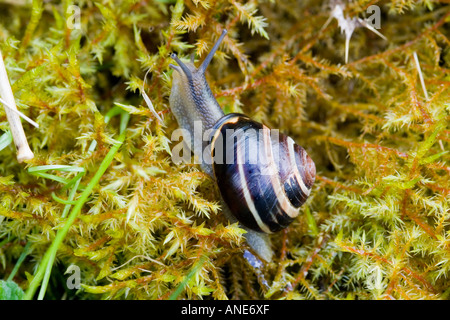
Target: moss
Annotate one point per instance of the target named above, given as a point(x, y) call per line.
point(103, 194)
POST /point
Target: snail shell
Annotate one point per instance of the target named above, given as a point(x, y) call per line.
point(263, 176)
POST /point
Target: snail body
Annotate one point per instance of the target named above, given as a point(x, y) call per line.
point(262, 175)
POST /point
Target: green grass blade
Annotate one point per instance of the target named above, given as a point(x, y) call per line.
point(60, 200)
point(190, 275)
point(64, 168)
point(51, 177)
point(5, 140)
point(19, 262)
point(46, 264)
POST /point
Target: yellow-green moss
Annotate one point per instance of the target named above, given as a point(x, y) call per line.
point(376, 223)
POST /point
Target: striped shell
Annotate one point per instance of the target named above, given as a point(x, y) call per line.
point(263, 176)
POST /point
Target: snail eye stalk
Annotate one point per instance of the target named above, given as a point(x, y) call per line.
point(182, 67)
point(210, 55)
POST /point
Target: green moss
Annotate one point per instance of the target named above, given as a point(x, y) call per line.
point(103, 194)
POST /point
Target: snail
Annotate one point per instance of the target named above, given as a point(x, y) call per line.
point(263, 175)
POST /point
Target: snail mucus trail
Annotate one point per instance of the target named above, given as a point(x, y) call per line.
point(263, 195)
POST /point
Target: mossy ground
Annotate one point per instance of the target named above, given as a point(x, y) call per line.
point(376, 225)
